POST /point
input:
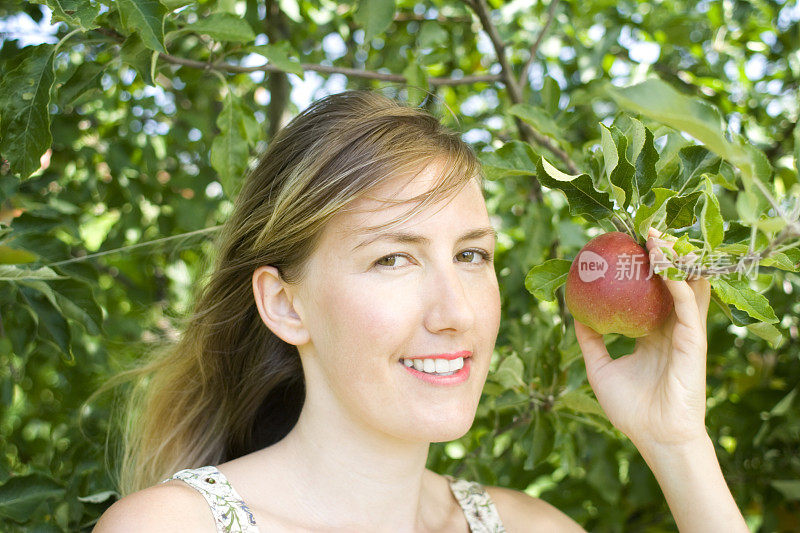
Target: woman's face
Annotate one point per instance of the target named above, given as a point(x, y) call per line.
point(364, 318)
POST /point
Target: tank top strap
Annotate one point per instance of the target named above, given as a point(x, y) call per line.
point(231, 513)
point(479, 509)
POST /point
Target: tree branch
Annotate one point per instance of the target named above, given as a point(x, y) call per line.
point(397, 78)
point(551, 13)
point(791, 231)
point(514, 91)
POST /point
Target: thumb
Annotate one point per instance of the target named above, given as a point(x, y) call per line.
point(595, 354)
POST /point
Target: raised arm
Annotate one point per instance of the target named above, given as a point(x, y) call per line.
point(656, 396)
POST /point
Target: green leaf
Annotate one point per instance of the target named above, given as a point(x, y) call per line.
point(579, 401)
point(77, 302)
point(223, 27)
point(618, 169)
point(790, 488)
point(140, 57)
point(431, 34)
point(229, 150)
point(738, 293)
point(711, 221)
point(539, 119)
point(278, 54)
point(25, 101)
point(780, 260)
point(768, 332)
point(748, 207)
point(680, 210)
point(85, 79)
point(51, 324)
point(509, 372)
point(657, 100)
point(374, 16)
point(20, 496)
point(543, 280)
point(646, 175)
point(146, 19)
point(416, 79)
point(623, 174)
point(514, 158)
point(645, 214)
point(541, 440)
point(696, 161)
point(80, 13)
point(12, 273)
point(583, 198)
point(13, 256)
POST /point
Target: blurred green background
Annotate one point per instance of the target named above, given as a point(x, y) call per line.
point(116, 218)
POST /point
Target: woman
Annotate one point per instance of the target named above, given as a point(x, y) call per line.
point(340, 334)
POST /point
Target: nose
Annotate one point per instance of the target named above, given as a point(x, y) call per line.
point(448, 301)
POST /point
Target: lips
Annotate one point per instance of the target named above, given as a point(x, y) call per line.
point(449, 356)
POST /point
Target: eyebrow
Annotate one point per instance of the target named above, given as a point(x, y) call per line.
point(414, 238)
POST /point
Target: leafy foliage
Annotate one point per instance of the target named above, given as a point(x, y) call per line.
point(123, 142)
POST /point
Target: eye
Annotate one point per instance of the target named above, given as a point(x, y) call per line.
point(485, 256)
point(390, 259)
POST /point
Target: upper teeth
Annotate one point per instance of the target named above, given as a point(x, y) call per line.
point(435, 365)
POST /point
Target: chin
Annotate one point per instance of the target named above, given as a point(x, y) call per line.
point(440, 430)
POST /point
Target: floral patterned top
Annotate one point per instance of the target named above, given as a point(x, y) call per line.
point(232, 515)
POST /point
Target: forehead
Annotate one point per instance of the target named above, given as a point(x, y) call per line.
point(390, 201)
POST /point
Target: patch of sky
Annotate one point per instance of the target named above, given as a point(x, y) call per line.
point(484, 44)
point(734, 123)
point(315, 87)
point(566, 53)
point(756, 67)
point(640, 51)
point(788, 16)
point(334, 46)
point(555, 72)
point(473, 105)
point(596, 32)
point(477, 135)
point(153, 127)
point(769, 38)
point(127, 75)
point(536, 76)
point(775, 108)
point(620, 69)
point(494, 123)
point(731, 70)
point(23, 29)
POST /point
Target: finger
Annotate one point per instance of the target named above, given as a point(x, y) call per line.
point(684, 300)
point(700, 287)
point(593, 348)
point(702, 292)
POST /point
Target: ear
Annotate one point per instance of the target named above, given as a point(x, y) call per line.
point(276, 306)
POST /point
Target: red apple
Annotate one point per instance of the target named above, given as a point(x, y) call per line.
point(611, 288)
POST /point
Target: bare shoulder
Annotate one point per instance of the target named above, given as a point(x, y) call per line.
point(521, 512)
point(171, 506)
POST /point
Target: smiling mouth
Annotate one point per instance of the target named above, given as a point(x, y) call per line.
point(435, 366)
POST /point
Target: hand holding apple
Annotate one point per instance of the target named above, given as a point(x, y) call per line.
point(656, 395)
point(611, 288)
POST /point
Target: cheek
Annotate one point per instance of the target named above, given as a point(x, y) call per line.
point(367, 316)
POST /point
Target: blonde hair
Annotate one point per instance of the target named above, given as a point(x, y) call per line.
point(229, 386)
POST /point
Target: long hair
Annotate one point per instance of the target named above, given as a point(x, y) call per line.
point(228, 385)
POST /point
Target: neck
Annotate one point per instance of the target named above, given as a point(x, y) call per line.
point(349, 476)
